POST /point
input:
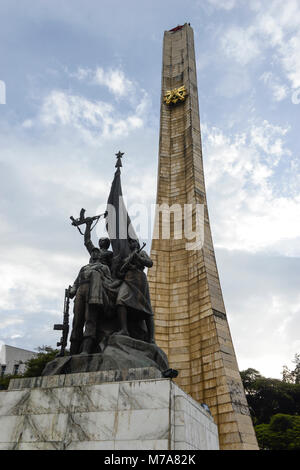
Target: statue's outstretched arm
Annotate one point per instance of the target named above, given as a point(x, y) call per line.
point(87, 237)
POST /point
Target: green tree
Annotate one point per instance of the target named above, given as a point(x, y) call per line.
point(292, 376)
point(36, 365)
point(4, 381)
point(249, 378)
point(267, 397)
point(282, 433)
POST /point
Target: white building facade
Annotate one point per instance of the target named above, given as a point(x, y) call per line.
point(13, 360)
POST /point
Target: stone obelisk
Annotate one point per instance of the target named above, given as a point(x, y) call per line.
point(190, 317)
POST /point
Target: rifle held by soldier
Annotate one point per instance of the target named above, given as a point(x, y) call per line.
point(126, 264)
point(64, 327)
point(83, 220)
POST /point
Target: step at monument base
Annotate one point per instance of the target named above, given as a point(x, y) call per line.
point(76, 412)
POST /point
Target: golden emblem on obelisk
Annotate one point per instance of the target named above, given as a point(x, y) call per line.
point(175, 96)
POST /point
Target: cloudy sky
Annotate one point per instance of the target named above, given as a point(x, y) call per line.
point(82, 81)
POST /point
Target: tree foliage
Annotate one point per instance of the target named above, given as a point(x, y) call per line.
point(292, 376)
point(282, 433)
point(275, 407)
point(36, 365)
point(267, 397)
point(4, 381)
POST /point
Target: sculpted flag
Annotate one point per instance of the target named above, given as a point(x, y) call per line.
point(118, 223)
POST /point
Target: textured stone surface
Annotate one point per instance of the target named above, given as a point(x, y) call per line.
point(121, 353)
point(140, 414)
point(85, 378)
point(190, 318)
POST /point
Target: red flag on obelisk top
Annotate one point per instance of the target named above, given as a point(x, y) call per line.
point(118, 223)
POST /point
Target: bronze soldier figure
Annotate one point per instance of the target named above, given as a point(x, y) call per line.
point(133, 296)
point(90, 289)
point(105, 256)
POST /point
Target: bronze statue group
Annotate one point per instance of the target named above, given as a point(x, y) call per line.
point(111, 296)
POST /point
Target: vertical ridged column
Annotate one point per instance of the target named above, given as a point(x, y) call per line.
point(190, 318)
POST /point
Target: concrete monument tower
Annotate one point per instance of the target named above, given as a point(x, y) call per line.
point(190, 317)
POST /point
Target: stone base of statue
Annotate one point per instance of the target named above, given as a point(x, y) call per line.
point(92, 411)
point(119, 353)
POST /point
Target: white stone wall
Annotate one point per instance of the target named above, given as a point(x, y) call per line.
point(194, 427)
point(130, 415)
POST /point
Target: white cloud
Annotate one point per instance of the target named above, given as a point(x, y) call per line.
point(278, 89)
point(81, 73)
point(113, 78)
point(269, 138)
point(290, 58)
point(94, 120)
point(10, 321)
point(276, 26)
point(28, 280)
point(27, 124)
point(63, 108)
point(280, 23)
point(250, 211)
point(261, 295)
point(234, 82)
point(223, 4)
point(276, 19)
point(240, 44)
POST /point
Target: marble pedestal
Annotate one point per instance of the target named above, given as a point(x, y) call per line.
point(91, 411)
